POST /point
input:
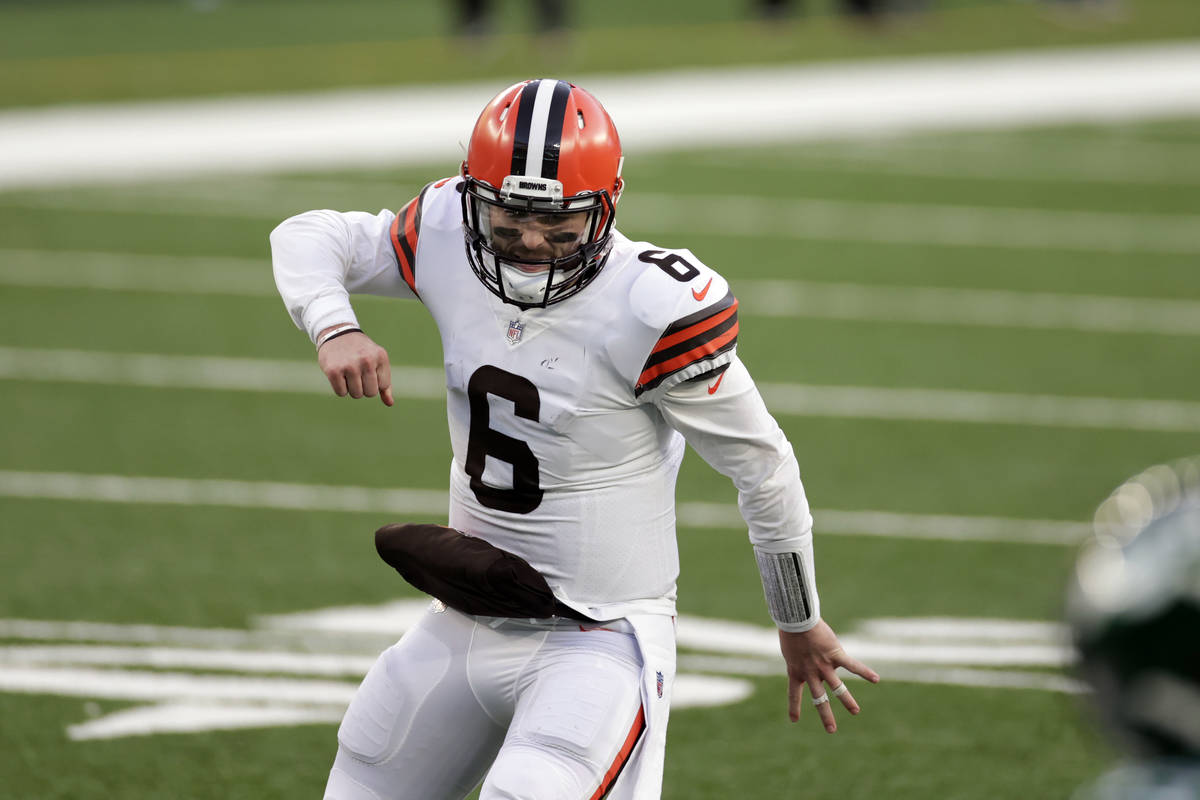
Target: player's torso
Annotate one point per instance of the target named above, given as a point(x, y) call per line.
point(556, 457)
point(543, 378)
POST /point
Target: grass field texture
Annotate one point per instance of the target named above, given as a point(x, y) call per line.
point(70, 51)
point(970, 339)
point(180, 270)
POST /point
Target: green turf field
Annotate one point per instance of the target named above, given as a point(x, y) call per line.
point(970, 340)
point(79, 51)
point(197, 250)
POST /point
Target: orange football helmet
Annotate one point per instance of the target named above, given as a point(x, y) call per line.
point(543, 176)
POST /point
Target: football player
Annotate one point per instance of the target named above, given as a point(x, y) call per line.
point(578, 362)
point(1134, 609)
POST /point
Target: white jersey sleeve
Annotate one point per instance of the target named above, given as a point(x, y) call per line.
point(702, 390)
point(723, 417)
point(321, 257)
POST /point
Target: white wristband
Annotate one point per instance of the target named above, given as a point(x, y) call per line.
point(336, 331)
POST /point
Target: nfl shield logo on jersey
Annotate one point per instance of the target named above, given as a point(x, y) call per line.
point(515, 329)
point(658, 679)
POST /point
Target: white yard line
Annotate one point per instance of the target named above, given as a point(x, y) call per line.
point(916, 223)
point(970, 307)
point(788, 299)
point(788, 217)
point(950, 405)
point(856, 402)
point(378, 127)
point(426, 502)
point(333, 665)
point(1004, 158)
point(71, 269)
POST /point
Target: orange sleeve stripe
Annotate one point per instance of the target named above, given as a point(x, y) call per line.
point(694, 330)
point(631, 740)
point(406, 246)
point(695, 354)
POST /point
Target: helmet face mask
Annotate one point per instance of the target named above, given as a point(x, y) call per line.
point(535, 252)
point(541, 181)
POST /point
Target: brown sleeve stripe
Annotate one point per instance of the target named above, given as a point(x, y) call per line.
point(405, 230)
point(631, 740)
point(690, 340)
point(690, 320)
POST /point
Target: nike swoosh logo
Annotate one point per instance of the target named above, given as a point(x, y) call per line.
point(713, 389)
point(701, 294)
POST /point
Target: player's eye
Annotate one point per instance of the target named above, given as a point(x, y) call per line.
point(507, 233)
point(566, 237)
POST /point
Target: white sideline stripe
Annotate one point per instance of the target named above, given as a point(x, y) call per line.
point(823, 220)
point(1004, 158)
point(245, 277)
point(191, 717)
point(325, 664)
point(741, 639)
point(378, 127)
point(311, 497)
point(905, 673)
point(145, 685)
point(971, 307)
point(75, 269)
point(197, 372)
point(895, 223)
point(983, 678)
point(855, 402)
point(950, 405)
point(958, 629)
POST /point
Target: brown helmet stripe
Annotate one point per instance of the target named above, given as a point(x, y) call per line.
point(521, 133)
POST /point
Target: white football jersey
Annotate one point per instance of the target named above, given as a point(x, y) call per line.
point(566, 421)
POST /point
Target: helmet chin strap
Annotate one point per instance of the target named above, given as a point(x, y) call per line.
point(524, 287)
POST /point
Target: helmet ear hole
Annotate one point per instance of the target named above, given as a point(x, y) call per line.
point(579, 116)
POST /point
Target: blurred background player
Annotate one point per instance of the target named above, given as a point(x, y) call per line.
point(477, 17)
point(1134, 611)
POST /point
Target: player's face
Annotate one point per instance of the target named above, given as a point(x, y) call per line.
point(530, 236)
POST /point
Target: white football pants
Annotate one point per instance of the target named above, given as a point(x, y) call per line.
point(555, 711)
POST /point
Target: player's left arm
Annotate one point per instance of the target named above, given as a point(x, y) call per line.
point(723, 417)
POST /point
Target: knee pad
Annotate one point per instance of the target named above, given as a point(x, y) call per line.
point(528, 773)
point(342, 787)
point(374, 726)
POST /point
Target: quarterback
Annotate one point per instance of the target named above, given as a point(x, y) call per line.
point(578, 364)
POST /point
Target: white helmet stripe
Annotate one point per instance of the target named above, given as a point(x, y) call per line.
point(537, 128)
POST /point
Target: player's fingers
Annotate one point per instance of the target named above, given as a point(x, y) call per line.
point(820, 699)
point(857, 667)
point(354, 383)
point(370, 383)
point(795, 698)
point(383, 369)
point(338, 381)
point(841, 691)
point(383, 374)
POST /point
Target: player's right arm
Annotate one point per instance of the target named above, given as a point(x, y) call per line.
point(319, 259)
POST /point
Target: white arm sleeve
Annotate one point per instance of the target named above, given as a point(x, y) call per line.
point(321, 257)
point(732, 430)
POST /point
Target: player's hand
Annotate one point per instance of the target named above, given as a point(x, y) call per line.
point(812, 660)
point(356, 366)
